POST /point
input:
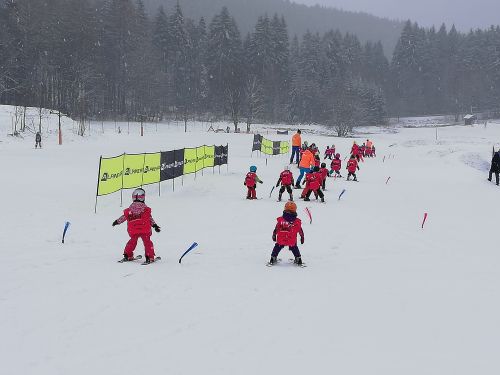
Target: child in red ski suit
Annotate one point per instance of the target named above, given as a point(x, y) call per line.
point(251, 180)
point(330, 152)
point(324, 175)
point(336, 166)
point(352, 165)
point(286, 180)
point(355, 150)
point(139, 224)
point(285, 234)
point(313, 185)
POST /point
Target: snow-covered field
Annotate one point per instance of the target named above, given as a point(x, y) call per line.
point(379, 296)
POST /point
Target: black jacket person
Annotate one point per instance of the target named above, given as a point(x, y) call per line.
point(495, 166)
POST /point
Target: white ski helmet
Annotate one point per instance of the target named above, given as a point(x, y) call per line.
point(139, 195)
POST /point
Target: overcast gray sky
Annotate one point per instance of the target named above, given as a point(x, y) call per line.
point(465, 14)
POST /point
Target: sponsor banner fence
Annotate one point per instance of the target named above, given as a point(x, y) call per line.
point(268, 147)
point(129, 171)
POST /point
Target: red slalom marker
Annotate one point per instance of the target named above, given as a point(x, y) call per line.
point(308, 212)
point(425, 218)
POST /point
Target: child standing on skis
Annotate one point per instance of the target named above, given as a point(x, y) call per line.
point(336, 166)
point(139, 224)
point(286, 180)
point(324, 175)
point(313, 185)
point(285, 234)
point(251, 180)
point(330, 152)
point(352, 165)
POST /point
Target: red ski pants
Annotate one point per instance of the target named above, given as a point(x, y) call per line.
point(132, 243)
point(252, 193)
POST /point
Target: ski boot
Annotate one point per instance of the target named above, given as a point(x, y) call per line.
point(273, 261)
point(298, 261)
point(323, 200)
point(149, 260)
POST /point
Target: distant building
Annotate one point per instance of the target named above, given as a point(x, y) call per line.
point(470, 119)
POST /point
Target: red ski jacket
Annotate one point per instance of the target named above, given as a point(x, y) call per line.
point(139, 219)
point(324, 174)
point(286, 178)
point(313, 181)
point(286, 232)
point(355, 150)
point(352, 164)
point(336, 164)
point(251, 179)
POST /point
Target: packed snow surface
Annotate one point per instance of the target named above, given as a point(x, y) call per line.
point(379, 296)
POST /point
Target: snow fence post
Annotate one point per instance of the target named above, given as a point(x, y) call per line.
point(97, 189)
point(123, 172)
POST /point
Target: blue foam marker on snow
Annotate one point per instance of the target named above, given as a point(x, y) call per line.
point(340, 196)
point(66, 226)
point(188, 250)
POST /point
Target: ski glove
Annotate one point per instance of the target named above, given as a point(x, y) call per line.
point(274, 237)
point(261, 182)
point(301, 240)
point(358, 168)
point(157, 228)
point(115, 222)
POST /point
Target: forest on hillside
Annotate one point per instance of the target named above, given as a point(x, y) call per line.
point(110, 60)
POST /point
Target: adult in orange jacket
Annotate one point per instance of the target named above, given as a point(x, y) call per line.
point(305, 165)
point(296, 143)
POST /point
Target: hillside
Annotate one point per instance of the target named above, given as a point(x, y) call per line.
point(299, 17)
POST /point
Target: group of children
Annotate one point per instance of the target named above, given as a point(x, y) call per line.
point(140, 221)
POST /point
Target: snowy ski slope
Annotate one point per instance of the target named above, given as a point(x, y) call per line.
point(379, 296)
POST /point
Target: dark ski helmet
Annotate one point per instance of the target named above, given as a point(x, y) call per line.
point(253, 169)
point(337, 156)
point(323, 165)
point(139, 195)
point(316, 169)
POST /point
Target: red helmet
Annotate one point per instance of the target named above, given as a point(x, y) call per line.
point(139, 195)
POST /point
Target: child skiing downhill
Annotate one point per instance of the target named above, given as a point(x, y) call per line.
point(324, 175)
point(352, 165)
point(251, 182)
point(139, 224)
point(286, 180)
point(336, 166)
point(285, 234)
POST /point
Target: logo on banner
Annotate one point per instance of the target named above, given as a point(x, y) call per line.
point(175, 164)
point(106, 176)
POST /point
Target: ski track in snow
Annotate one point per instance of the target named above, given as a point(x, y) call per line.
point(379, 296)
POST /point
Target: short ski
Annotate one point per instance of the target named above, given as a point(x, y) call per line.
point(145, 263)
point(303, 265)
point(130, 260)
